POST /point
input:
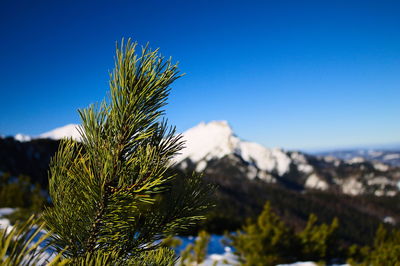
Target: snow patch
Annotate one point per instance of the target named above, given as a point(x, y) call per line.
point(266, 177)
point(6, 211)
point(68, 131)
point(389, 220)
point(356, 160)
point(201, 166)
point(315, 182)
point(216, 139)
point(252, 172)
point(4, 222)
point(352, 187)
point(22, 138)
point(393, 156)
point(227, 258)
point(300, 263)
point(381, 167)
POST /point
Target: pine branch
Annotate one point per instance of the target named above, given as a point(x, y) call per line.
point(115, 192)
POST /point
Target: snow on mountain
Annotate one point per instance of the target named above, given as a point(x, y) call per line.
point(315, 182)
point(386, 156)
point(214, 147)
point(22, 138)
point(67, 131)
point(70, 130)
point(216, 139)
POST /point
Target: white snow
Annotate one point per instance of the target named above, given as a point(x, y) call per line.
point(352, 187)
point(300, 263)
point(264, 158)
point(381, 167)
point(393, 156)
point(4, 222)
point(6, 211)
point(389, 220)
point(252, 172)
point(381, 181)
point(216, 139)
point(375, 153)
point(208, 141)
point(266, 177)
point(384, 186)
point(315, 182)
point(227, 258)
point(22, 138)
point(356, 160)
point(330, 159)
point(302, 164)
point(70, 130)
point(201, 166)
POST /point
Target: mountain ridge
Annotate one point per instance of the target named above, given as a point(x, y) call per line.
point(206, 144)
point(359, 192)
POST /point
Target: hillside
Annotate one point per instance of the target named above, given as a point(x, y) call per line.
point(360, 193)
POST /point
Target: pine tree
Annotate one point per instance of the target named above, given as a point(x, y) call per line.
point(114, 194)
point(318, 242)
point(268, 241)
point(195, 254)
point(384, 251)
point(21, 244)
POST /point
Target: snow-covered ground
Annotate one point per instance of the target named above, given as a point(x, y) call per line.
point(4, 222)
point(300, 263)
point(47, 255)
point(218, 253)
point(222, 254)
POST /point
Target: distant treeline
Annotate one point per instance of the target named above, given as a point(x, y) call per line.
point(237, 197)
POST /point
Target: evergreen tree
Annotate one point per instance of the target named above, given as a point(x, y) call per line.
point(20, 245)
point(318, 242)
point(384, 251)
point(114, 194)
point(20, 193)
point(268, 241)
point(196, 253)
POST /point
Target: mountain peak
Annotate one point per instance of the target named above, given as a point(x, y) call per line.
point(216, 139)
point(70, 130)
point(207, 140)
point(216, 126)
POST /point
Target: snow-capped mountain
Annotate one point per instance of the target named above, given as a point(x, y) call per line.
point(68, 131)
point(386, 156)
point(216, 139)
point(212, 147)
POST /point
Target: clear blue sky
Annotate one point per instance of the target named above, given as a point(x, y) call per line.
point(295, 74)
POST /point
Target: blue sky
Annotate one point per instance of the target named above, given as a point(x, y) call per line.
point(295, 74)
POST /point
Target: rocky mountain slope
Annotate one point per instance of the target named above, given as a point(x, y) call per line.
point(361, 193)
point(214, 143)
point(389, 156)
